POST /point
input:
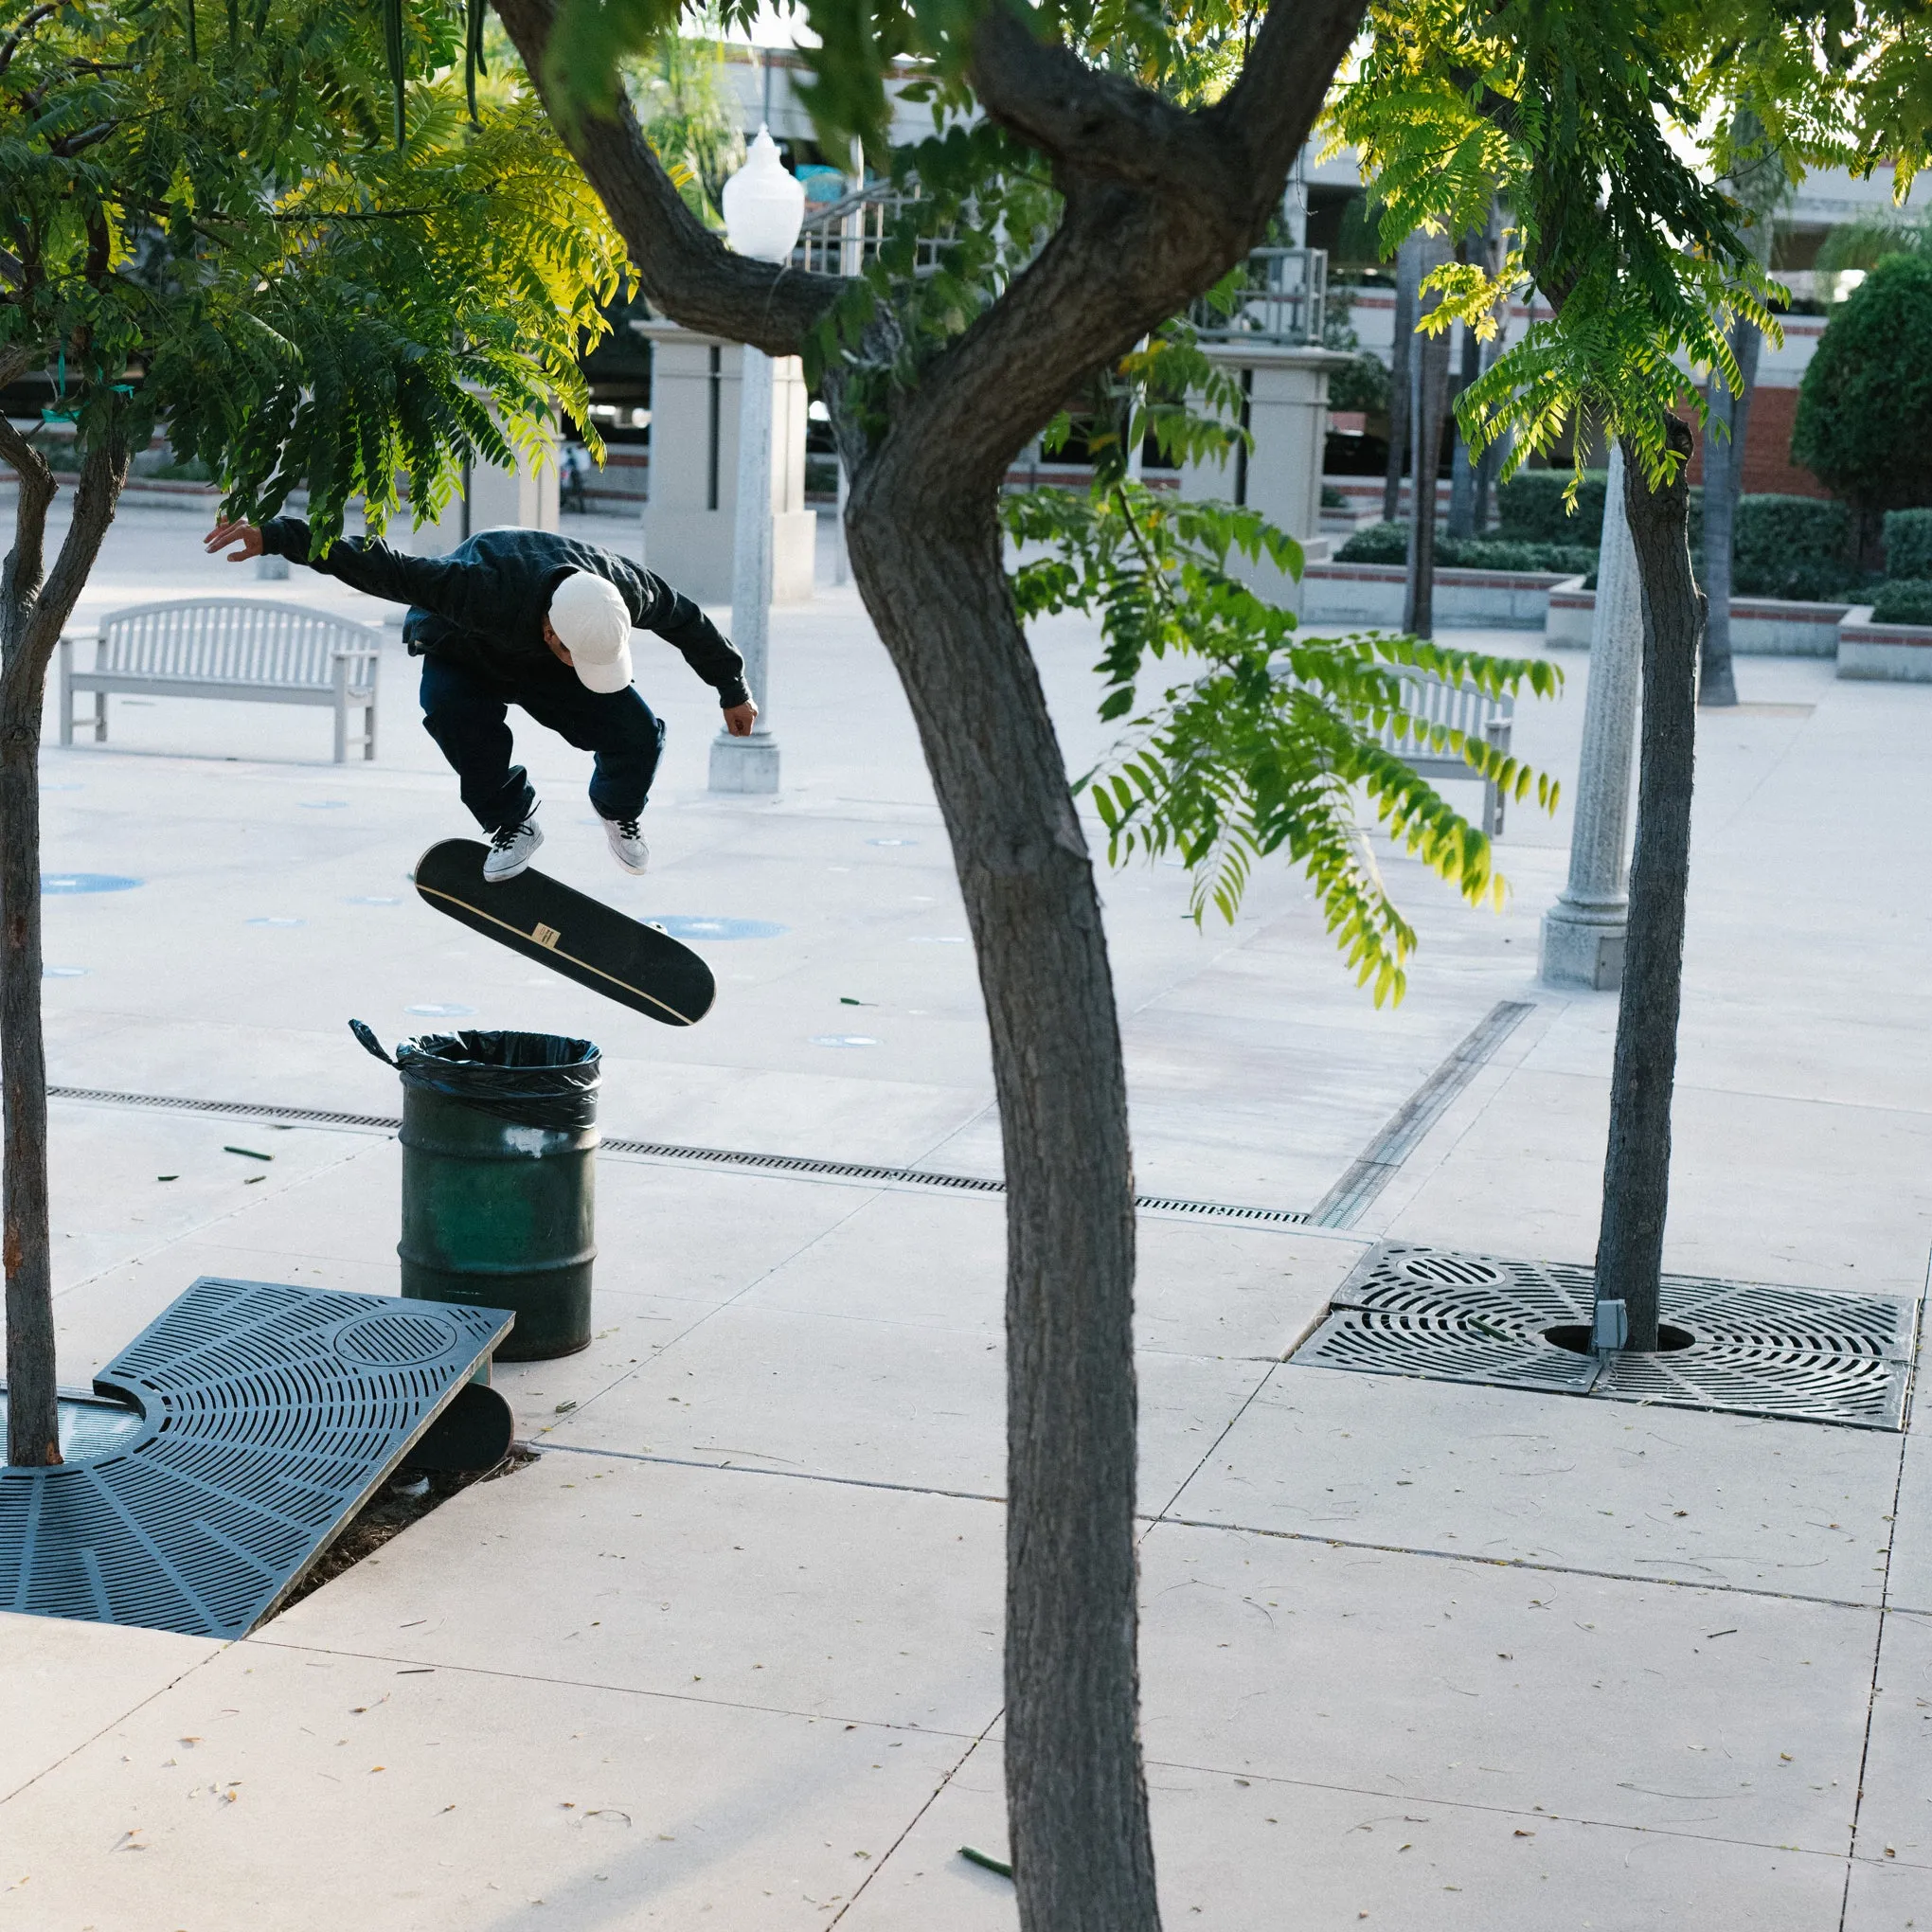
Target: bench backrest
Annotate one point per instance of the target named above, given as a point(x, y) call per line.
point(1457, 707)
point(236, 639)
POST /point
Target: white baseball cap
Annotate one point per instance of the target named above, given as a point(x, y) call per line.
point(592, 623)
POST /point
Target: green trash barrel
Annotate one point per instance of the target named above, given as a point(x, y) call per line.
point(499, 1181)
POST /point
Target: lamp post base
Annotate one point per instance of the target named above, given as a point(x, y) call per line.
point(1583, 944)
point(744, 765)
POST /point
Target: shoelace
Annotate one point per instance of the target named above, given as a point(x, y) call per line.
point(502, 840)
point(627, 828)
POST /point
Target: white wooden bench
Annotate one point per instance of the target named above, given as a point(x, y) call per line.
point(1459, 708)
point(230, 647)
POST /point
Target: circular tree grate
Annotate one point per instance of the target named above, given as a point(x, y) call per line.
point(269, 1415)
point(1756, 1349)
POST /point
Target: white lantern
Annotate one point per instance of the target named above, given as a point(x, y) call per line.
point(764, 206)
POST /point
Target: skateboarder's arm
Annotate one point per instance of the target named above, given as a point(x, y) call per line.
point(707, 651)
point(655, 606)
point(368, 565)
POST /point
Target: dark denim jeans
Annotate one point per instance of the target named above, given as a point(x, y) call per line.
point(467, 716)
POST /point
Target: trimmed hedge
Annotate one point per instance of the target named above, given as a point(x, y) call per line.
point(1909, 544)
point(1792, 546)
point(1530, 509)
point(1388, 543)
point(1903, 601)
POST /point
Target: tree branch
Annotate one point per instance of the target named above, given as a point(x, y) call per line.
point(686, 270)
point(104, 472)
point(1090, 124)
point(20, 576)
point(21, 32)
point(1126, 255)
point(1283, 81)
point(70, 145)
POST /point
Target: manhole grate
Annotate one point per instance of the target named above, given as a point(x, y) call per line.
point(269, 1416)
point(1758, 1349)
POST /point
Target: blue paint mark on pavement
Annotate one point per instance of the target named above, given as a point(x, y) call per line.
point(58, 885)
point(686, 926)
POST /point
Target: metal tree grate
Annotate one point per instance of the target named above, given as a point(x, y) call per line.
point(268, 1416)
point(1755, 1349)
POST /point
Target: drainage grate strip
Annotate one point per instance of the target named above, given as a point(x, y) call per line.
point(239, 1110)
point(1345, 1203)
point(703, 1156)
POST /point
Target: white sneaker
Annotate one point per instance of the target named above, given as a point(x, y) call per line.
point(511, 850)
point(627, 844)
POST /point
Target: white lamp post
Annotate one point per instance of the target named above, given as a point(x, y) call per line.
point(765, 208)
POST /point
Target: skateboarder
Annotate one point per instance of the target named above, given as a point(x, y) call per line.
point(527, 618)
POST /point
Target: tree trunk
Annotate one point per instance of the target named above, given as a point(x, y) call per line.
point(1428, 396)
point(1724, 483)
point(1636, 1165)
point(32, 613)
point(1402, 349)
point(1160, 204)
point(32, 1416)
point(1462, 468)
point(928, 564)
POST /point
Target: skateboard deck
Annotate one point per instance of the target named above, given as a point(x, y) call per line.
point(569, 932)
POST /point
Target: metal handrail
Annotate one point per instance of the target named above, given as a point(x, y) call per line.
point(1281, 300)
point(843, 236)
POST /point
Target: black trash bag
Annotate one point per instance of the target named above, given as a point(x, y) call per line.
point(535, 1080)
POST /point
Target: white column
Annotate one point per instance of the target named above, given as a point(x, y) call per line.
point(1583, 933)
point(751, 764)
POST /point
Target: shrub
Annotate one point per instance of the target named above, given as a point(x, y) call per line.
point(1906, 601)
point(1333, 498)
point(1909, 542)
point(1381, 542)
point(1388, 543)
point(1530, 507)
point(1489, 553)
point(1360, 384)
point(1864, 422)
point(1791, 547)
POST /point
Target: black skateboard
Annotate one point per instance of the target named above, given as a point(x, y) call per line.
point(583, 939)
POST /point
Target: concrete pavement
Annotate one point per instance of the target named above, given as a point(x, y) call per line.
point(728, 1653)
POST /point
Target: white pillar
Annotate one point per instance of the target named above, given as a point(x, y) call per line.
point(1583, 933)
point(751, 764)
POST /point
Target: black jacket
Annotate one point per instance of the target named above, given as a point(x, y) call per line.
point(482, 607)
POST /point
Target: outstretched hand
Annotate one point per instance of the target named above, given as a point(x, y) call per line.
point(244, 534)
point(739, 719)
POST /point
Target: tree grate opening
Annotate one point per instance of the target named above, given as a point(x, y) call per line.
point(260, 1418)
point(1753, 1347)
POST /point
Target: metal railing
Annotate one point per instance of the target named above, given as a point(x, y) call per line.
point(1280, 300)
point(841, 237)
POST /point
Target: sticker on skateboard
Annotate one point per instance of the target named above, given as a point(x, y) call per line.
point(571, 933)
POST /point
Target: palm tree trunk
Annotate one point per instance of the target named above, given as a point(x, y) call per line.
point(1402, 349)
point(1724, 483)
point(1430, 396)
